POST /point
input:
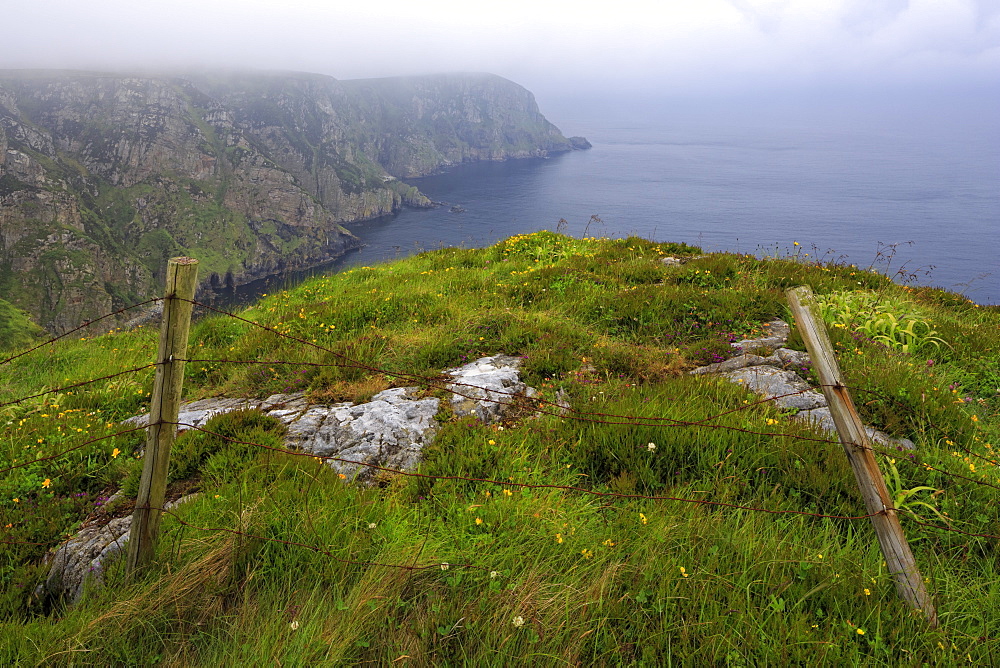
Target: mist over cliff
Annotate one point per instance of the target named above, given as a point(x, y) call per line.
point(105, 176)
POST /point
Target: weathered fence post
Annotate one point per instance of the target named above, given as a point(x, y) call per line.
point(895, 549)
point(182, 278)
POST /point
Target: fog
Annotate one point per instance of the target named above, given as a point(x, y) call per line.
point(557, 49)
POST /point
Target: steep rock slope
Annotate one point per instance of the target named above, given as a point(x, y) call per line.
point(104, 176)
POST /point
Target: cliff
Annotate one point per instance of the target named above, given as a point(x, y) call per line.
point(104, 176)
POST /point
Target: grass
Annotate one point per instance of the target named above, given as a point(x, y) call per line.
point(444, 571)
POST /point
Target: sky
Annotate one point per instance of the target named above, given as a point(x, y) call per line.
point(698, 47)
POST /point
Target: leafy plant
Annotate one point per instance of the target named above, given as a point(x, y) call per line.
point(891, 323)
point(903, 498)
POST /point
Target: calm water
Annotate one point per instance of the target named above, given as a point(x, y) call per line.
point(744, 180)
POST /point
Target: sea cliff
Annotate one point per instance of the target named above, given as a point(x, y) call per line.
point(103, 177)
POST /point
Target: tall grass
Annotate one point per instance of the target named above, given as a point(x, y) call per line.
point(447, 570)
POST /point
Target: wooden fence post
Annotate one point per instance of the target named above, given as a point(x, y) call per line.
point(895, 549)
point(182, 278)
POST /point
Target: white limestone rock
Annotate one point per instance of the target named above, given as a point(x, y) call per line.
point(487, 387)
point(785, 388)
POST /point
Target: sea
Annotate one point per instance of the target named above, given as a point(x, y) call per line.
point(909, 187)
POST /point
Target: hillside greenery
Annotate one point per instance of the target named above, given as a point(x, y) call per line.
point(279, 560)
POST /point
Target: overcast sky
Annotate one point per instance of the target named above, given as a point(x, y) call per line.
point(695, 46)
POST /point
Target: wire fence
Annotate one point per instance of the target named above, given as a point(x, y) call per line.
point(535, 405)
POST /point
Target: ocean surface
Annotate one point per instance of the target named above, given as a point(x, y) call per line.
point(845, 181)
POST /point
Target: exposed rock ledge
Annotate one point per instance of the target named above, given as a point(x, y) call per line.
point(773, 378)
point(389, 431)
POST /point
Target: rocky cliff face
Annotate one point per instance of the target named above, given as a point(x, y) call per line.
point(104, 177)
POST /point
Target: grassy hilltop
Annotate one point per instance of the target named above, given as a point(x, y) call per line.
point(298, 568)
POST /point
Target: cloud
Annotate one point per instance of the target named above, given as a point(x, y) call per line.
point(669, 44)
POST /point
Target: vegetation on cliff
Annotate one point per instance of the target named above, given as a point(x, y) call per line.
point(518, 575)
point(104, 176)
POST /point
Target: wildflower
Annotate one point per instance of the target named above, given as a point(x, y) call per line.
point(772, 421)
point(651, 447)
point(867, 592)
point(559, 538)
point(341, 476)
point(372, 525)
point(494, 574)
point(587, 554)
point(975, 418)
point(294, 625)
point(861, 632)
point(492, 442)
point(479, 520)
point(115, 453)
point(795, 243)
point(642, 518)
point(684, 572)
point(819, 556)
point(608, 543)
point(47, 483)
point(518, 621)
point(217, 496)
point(507, 492)
point(444, 566)
point(17, 500)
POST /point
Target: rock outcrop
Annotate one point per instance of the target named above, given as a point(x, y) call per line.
point(358, 440)
point(775, 378)
point(80, 562)
point(104, 177)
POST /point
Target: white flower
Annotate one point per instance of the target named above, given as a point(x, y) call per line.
point(371, 525)
point(518, 621)
point(444, 566)
point(294, 625)
point(494, 574)
point(651, 447)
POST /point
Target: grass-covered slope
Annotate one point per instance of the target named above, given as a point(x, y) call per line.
point(299, 568)
point(16, 328)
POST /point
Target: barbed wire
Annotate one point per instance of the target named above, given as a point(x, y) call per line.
point(76, 385)
point(582, 490)
point(312, 547)
point(84, 325)
point(536, 403)
point(72, 449)
point(510, 483)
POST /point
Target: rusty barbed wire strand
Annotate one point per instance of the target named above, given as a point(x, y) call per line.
point(87, 323)
point(313, 547)
point(522, 485)
point(69, 450)
point(80, 384)
point(581, 416)
point(901, 405)
point(436, 382)
point(908, 513)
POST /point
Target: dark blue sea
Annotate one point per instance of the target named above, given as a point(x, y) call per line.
point(844, 180)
